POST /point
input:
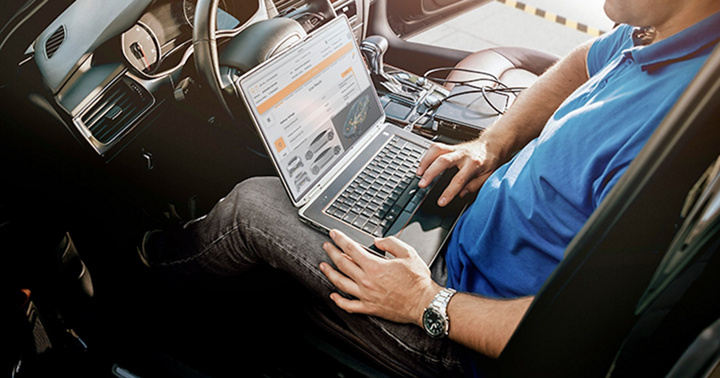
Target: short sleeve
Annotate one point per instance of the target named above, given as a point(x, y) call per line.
point(607, 47)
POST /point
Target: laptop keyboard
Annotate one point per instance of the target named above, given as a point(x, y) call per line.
point(387, 185)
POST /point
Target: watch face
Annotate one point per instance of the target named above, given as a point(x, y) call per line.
point(434, 323)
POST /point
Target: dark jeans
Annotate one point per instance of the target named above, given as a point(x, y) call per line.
point(256, 225)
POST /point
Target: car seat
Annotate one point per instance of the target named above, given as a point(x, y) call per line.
point(514, 66)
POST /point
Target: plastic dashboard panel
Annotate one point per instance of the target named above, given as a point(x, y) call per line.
point(79, 86)
point(108, 19)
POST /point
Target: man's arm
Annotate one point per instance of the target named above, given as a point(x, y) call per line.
point(399, 289)
point(484, 324)
point(477, 159)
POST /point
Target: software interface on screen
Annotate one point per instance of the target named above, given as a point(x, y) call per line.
point(312, 104)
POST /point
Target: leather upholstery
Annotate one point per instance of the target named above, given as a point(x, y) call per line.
point(514, 66)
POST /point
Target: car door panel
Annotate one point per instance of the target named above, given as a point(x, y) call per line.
point(413, 57)
point(408, 17)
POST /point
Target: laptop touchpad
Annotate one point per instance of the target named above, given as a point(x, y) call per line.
point(430, 225)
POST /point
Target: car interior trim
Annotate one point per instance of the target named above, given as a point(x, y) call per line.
point(105, 108)
point(110, 18)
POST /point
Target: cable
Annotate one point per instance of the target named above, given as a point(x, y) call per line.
point(412, 124)
point(484, 89)
point(427, 73)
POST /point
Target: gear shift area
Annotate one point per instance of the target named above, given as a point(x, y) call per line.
point(373, 49)
point(404, 95)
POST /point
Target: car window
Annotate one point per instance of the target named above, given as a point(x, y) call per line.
point(552, 26)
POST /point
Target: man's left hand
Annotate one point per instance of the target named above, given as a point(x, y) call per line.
point(396, 289)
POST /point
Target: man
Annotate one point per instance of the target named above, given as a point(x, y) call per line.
point(539, 172)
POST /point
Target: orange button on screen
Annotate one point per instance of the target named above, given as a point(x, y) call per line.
point(280, 144)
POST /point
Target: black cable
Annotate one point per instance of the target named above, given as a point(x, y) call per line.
point(441, 69)
point(484, 90)
point(492, 78)
point(503, 89)
point(499, 112)
point(412, 124)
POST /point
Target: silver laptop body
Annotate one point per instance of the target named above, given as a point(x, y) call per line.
point(324, 128)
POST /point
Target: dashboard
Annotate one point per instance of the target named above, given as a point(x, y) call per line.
point(111, 64)
point(166, 28)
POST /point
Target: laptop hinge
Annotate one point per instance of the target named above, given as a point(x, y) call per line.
point(314, 191)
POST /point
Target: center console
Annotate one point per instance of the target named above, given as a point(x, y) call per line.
point(414, 100)
point(430, 109)
point(406, 97)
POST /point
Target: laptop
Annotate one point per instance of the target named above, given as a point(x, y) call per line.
point(322, 123)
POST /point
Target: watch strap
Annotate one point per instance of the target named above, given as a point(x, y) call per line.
point(441, 300)
point(438, 306)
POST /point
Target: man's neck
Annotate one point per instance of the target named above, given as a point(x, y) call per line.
point(693, 13)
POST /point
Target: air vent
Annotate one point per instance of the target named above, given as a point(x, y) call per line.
point(287, 6)
point(56, 40)
point(116, 110)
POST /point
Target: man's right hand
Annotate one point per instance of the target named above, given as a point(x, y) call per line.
point(475, 161)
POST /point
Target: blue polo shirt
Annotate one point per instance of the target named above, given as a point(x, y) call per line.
point(512, 237)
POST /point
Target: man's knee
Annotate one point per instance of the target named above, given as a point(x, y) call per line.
point(257, 194)
point(256, 187)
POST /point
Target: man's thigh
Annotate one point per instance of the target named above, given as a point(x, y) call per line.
point(256, 225)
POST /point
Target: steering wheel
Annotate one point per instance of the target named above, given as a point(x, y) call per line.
point(251, 46)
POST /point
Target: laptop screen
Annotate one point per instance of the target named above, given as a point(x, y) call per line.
point(311, 104)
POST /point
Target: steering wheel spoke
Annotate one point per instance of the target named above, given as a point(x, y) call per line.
point(253, 45)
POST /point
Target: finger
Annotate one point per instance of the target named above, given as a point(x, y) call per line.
point(350, 305)
point(395, 246)
point(458, 183)
point(342, 261)
point(341, 281)
point(351, 248)
point(439, 166)
point(432, 153)
point(474, 185)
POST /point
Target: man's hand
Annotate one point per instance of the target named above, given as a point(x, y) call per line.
point(399, 289)
point(475, 162)
point(396, 289)
point(521, 123)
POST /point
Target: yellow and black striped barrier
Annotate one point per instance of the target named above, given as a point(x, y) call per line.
point(552, 17)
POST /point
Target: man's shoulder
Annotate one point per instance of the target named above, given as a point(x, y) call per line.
point(608, 46)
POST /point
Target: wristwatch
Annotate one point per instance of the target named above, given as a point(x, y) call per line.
point(435, 319)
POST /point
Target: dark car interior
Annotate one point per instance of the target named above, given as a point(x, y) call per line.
point(121, 117)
